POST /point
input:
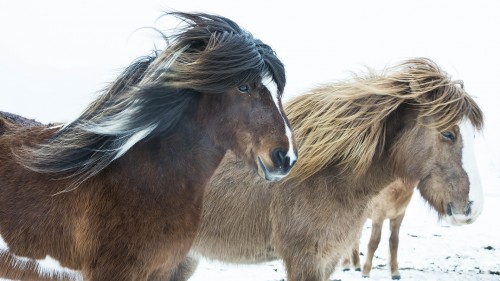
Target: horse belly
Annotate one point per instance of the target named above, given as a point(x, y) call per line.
point(243, 252)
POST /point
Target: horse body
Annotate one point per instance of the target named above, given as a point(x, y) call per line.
point(112, 202)
point(355, 138)
point(257, 222)
point(118, 193)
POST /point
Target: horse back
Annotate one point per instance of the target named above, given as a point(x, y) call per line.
point(6, 124)
point(17, 119)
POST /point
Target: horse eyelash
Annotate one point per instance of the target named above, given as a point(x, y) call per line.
point(246, 89)
point(449, 136)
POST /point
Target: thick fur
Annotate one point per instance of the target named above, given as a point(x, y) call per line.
point(118, 192)
point(391, 204)
point(355, 138)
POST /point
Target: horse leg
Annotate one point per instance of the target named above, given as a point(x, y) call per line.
point(346, 263)
point(393, 246)
point(355, 258)
point(372, 245)
point(103, 272)
point(113, 261)
point(330, 268)
point(305, 268)
point(182, 272)
point(352, 260)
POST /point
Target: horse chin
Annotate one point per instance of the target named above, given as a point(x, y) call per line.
point(458, 220)
point(265, 173)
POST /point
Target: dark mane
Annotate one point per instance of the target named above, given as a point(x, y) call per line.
point(208, 54)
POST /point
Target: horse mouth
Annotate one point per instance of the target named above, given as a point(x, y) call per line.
point(456, 219)
point(265, 173)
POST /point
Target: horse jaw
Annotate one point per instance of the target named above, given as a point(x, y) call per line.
point(475, 187)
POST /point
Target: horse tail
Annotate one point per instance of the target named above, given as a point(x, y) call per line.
point(19, 268)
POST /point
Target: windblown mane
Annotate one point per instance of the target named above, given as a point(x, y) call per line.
point(344, 122)
point(208, 54)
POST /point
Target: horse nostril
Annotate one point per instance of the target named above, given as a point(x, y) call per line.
point(468, 208)
point(280, 159)
point(449, 209)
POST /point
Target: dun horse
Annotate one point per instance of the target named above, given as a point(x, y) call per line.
point(391, 204)
point(117, 193)
point(355, 137)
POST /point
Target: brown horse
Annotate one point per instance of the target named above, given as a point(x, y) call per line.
point(117, 193)
point(355, 137)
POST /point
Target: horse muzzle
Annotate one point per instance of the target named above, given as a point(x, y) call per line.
point(462, 216)
point(281, 165)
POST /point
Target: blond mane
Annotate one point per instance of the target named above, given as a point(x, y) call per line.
point(344, 122)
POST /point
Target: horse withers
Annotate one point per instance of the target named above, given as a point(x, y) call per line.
point(355, 137)
point(117, 193)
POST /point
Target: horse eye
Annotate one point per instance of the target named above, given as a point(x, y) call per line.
point(243, 88)
point(449, 136)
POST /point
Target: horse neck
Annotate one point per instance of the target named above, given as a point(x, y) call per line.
point(362, 187)
point(185, 157)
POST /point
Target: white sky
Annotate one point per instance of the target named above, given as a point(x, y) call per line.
point(56, 55)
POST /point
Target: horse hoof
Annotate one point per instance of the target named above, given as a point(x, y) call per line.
point(396, 277)
point(346, 269)
point(358, 269)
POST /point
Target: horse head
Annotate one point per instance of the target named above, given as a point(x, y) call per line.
point(435, 146)
point(240, 80)
point(254, 109)
point(213, 71)
point(453, 185)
